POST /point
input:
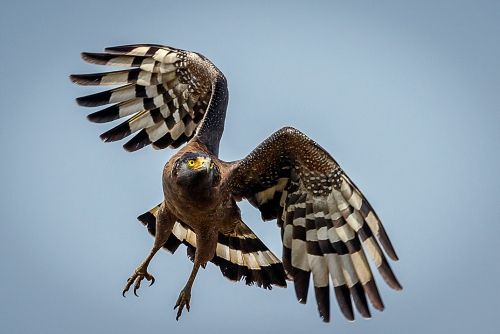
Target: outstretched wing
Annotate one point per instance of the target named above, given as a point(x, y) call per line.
point(240, 254)
point(168, 92)
point(324, 219)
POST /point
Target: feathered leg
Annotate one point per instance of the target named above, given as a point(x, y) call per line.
point(164, 223)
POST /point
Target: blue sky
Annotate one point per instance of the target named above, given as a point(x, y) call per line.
point(404, 95)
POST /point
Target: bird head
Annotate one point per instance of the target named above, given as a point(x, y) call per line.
point(195, 170)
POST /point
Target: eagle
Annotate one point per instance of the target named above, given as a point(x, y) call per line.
point(176, 97)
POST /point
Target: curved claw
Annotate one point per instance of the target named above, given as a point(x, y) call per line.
point(179, 313)
point(136, 279)
point(183, 300)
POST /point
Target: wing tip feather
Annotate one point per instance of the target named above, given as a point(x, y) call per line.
point(82, 79)
point(98, 117)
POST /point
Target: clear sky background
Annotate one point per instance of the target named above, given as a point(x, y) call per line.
point(404, 94)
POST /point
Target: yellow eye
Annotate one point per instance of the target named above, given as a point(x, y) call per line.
point(190, 162)
point(211, 165)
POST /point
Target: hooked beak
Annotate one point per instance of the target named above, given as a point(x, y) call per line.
point(203, 164)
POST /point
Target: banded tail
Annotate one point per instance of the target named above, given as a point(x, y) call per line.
point(240, 255)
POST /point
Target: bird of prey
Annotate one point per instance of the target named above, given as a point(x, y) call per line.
point(177, 97)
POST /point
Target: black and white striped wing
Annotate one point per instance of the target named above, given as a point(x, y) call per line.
point(167, 93)
point(324, 221)
point(240, 254)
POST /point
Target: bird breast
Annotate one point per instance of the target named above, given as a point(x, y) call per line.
point(194, 204)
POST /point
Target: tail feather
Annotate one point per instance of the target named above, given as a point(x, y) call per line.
point(240, 254)
point(246, 257)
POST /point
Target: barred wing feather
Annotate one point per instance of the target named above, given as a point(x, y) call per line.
point(327, 225)
point(167, 93)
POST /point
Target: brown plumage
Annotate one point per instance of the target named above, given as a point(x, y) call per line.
point(175, 96)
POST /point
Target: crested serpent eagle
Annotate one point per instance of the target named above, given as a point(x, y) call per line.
point(177, 97)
